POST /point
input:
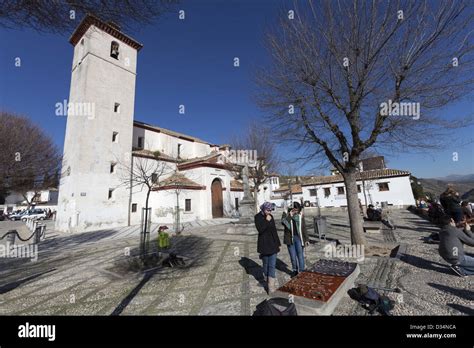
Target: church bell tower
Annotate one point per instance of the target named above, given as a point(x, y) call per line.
point(98, 139)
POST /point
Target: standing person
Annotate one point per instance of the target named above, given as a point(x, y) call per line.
point(451, 246)
point(295, 237)
point(268, 243)
point(451, 203)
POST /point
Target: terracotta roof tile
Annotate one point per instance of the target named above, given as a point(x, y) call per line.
point(177, 180)
point(365, 175)
point(295, 188)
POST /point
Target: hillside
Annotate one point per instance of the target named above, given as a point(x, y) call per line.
point(437, 186)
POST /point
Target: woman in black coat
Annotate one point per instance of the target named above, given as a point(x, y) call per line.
point(268, 243)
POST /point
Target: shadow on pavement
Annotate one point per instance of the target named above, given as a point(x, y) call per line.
point(126, 301)
point(13, 285)
point(252, 268)
point(462, 293)
point(192, 247)
point(462, 309)
point(426, 264)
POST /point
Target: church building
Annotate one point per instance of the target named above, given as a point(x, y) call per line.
point(109, 156)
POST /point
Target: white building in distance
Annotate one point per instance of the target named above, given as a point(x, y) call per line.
point(375, 184)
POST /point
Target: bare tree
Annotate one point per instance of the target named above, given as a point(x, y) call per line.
point(61, 16)
point(338, 64)
point(260, 140)
point(29, 160)
point(144, 173)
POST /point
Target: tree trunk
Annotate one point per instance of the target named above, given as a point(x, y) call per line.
point(365, 194)
point(255, 197)
point(145, 229)
point(146, 210)
point(355, 220)
point(178, 230)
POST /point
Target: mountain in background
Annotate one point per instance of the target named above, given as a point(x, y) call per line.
point(457, 178)
point(464, 184)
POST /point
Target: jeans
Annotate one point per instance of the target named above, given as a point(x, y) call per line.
point(296, 254)
point(269, 265)
point(467, 265)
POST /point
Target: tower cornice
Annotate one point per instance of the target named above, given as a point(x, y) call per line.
point(111, 29)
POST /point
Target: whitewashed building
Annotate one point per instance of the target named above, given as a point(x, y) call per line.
point(374, 187)
point(103, 143)
point(43, 199)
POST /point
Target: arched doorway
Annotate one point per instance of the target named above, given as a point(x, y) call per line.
point(217, 200)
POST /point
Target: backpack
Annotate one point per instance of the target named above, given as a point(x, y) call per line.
point(277, 306)
point(371, 300)
point(174, 261)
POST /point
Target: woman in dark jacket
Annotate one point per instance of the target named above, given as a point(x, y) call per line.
point(268, 243)
point(295, 237)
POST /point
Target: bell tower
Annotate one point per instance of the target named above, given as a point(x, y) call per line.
point(99, 128)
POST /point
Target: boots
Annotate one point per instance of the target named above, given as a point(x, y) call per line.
point(271, 285)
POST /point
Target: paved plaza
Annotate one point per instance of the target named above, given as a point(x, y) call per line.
point(87, 274)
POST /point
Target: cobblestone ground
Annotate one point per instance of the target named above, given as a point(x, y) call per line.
point(83, 274)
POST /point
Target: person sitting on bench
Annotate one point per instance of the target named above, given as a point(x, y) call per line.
point(451, 246)
point(373, 214)
point(376, 215)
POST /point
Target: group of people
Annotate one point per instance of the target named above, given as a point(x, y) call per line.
point(295, 237)
point(452, 238)
point(459, 211)
point(455, 218)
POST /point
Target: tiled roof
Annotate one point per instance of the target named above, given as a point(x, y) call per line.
point(208, 158)
point(295, 188)
point(153, 154)
point(178, 180)
point(107, 27)
point(365, 175)
point(236, 185)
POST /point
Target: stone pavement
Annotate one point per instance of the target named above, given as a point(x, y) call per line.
point(83, 274)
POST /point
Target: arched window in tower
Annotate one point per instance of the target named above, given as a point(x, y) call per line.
point(114, 49)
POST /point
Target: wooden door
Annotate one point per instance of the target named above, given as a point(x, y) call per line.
point(217, 201)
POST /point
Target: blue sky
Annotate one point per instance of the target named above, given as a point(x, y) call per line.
point(186, 62)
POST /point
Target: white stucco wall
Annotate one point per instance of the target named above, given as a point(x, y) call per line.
point(399, 193)
point(168, 145)
point(88, 148)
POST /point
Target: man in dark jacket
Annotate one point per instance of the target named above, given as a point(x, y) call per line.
point(268, 243)
point(451, 249)
point(451, 203)
point(295, 237)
